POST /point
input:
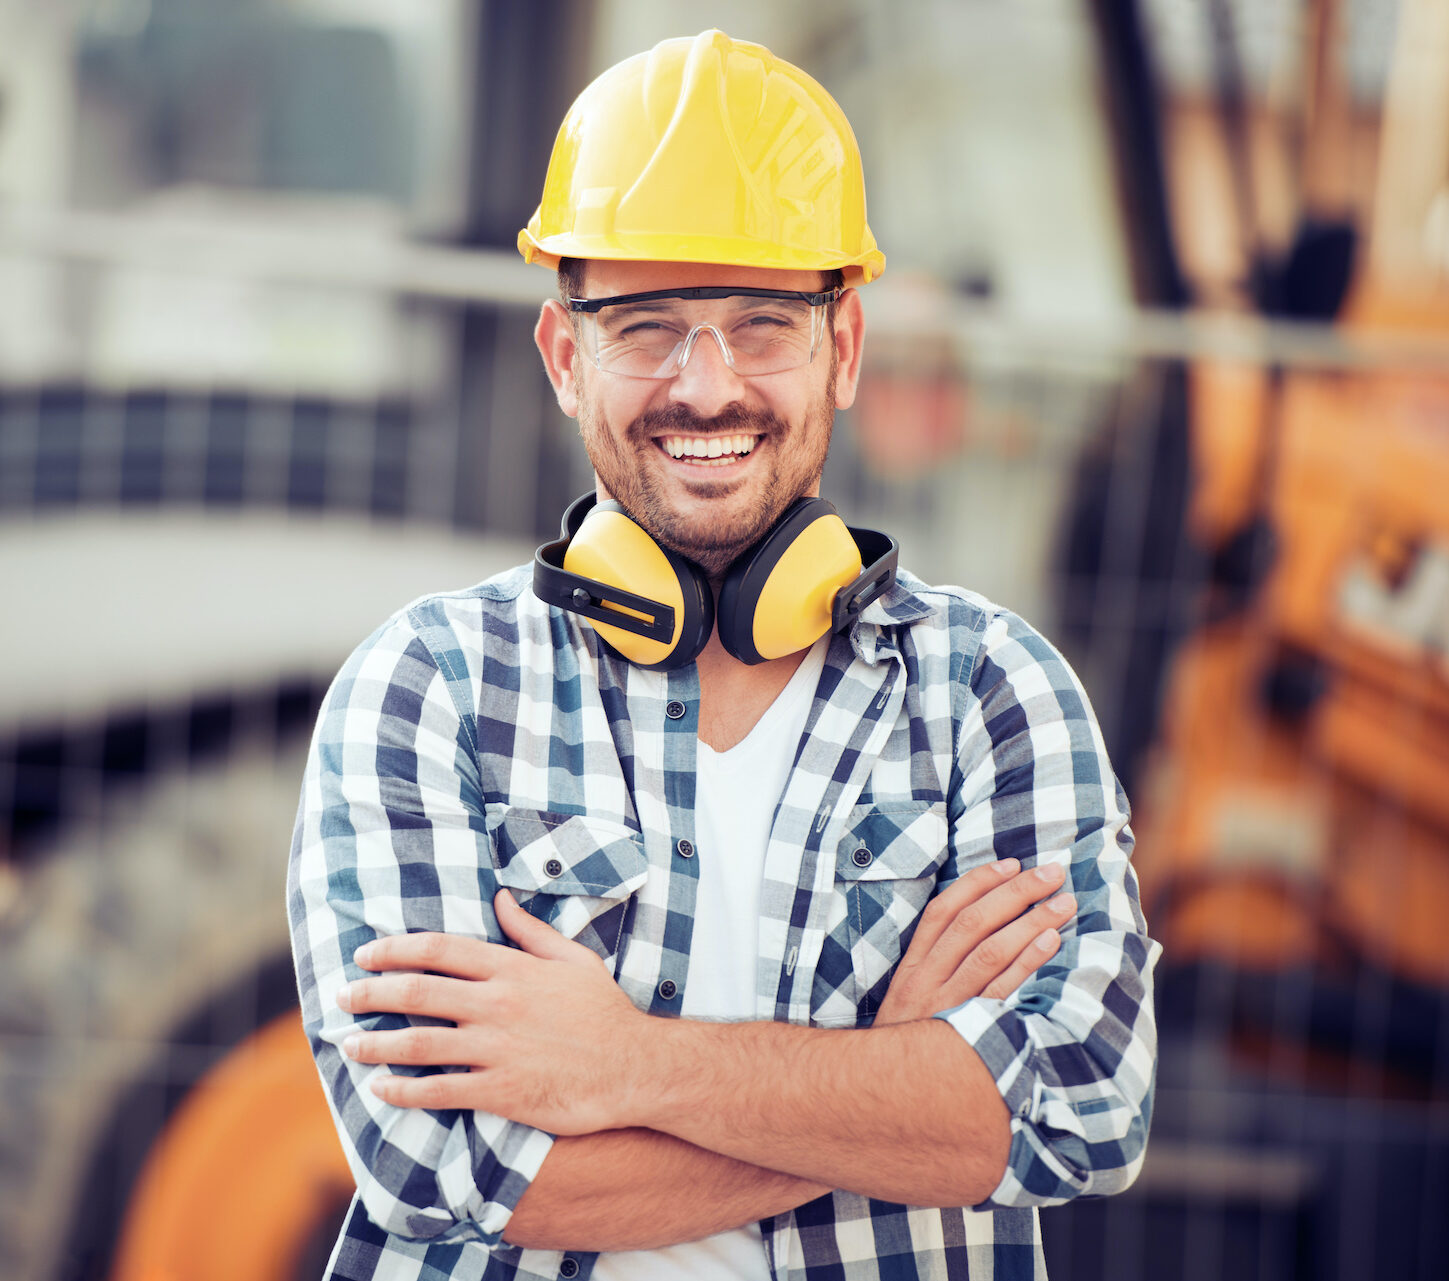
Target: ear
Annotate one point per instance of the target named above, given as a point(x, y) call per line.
point(554, 335)
point(849, 339)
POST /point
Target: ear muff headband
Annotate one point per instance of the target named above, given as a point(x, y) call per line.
point(881, 554)
point(650, 604)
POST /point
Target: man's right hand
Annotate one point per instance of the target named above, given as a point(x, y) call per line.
point(978, 938)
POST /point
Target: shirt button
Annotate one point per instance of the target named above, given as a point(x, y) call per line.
point(674, 709)
point(861, 857)
point(685, 848)
point(553, 867)
point(667, 990)
point(568, 1268)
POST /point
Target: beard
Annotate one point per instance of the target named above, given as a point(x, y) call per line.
point(714, 540)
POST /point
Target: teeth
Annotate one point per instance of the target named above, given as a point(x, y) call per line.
point(707, 447)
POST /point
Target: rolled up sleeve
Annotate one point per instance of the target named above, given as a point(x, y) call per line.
point(390, 838)
point(1073, 1050)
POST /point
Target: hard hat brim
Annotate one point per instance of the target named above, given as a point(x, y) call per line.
point(547, 252)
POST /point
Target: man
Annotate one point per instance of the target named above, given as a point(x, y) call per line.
point(521, 856)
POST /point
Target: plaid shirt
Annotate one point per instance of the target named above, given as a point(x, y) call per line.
point(481, 739)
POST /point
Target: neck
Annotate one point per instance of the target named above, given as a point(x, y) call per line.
point(734, 695)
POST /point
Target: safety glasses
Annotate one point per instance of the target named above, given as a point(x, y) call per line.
point(652, 335)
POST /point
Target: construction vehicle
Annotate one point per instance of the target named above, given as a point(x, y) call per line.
point(1273, 523)
point(1295, 814)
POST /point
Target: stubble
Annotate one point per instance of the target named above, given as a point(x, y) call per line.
point(712, 542)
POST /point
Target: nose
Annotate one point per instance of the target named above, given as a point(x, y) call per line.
point(705, 382)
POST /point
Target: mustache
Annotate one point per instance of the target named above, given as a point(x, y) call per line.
point(681, 420)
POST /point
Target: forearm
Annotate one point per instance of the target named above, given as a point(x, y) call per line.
point(638, 1189)
point(907, 1114)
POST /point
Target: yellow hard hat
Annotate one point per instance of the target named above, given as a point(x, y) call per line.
point(706, 150)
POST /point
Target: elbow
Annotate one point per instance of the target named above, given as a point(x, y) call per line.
point(1118, 1166)
point(1055, 1159)
point(421, 1209)
point(411, 1206)
point(419, 1223)
point(421, 1176)
point(1116, 1150)
point(426, 1176)
point(462, 1186)
point(403, 1221)
point(1106, 1171)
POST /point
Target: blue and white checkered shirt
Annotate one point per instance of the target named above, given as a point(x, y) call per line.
point(482, 739)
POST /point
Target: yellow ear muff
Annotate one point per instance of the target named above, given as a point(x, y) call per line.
point(609, 548)
point(798, 594)
point(779, 597)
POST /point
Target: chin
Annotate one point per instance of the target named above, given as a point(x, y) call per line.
point(714, 541)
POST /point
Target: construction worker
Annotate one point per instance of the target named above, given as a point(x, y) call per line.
point(749, 894)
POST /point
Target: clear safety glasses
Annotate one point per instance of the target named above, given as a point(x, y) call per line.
point(652, 335)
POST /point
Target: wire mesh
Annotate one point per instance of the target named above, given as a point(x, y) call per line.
point(1113, 492)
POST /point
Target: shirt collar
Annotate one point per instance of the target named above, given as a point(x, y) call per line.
point(874, 634)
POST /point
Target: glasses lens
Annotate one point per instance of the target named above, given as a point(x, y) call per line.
point(648, 339)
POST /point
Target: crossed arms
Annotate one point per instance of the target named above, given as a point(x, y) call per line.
point(755, 1118)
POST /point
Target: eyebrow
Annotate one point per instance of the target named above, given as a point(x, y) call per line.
point(630, 308)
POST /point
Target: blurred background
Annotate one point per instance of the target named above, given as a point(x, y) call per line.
point(1161, 361)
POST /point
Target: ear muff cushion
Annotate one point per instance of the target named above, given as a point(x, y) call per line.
point(611, 548)
point(778, 599)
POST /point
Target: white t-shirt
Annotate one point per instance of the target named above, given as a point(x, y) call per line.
point(735, 797)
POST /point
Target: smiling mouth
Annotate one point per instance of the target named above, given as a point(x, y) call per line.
point(709, 450)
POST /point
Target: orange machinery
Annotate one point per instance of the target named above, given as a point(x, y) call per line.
point(1296, 807)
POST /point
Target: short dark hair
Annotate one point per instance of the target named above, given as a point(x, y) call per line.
point(570, 277)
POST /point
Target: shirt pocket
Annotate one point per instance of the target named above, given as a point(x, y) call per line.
point(574, 871)
point(885, 870)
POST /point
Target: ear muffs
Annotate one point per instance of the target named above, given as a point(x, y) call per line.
point(655, 607)
point(802, 579)
point(779, 597)
point(651, 604)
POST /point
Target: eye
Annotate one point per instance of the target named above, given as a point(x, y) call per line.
point(645, 328)
point(768, 321)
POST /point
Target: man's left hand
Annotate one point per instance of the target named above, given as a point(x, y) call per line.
point(544, 1031)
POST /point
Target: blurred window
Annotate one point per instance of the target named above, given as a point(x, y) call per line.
point(243, 94)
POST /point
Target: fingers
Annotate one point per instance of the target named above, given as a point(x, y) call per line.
point(459, 1001)
point(438, 1092)
point(966, 916)
point(469, 958)
point(978, 934)
point(535, 937)
point(462, 957)
point(1039, 951)
point(417, 1046)
point(966, 890)
point(1005, 960)
point(425, 994)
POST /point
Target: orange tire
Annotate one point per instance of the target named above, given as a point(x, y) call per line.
point(245, 1173)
